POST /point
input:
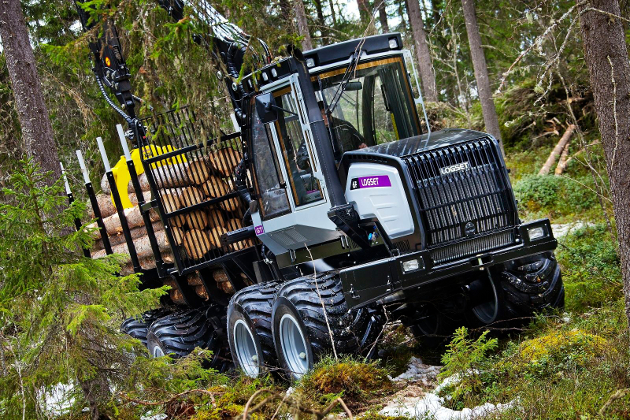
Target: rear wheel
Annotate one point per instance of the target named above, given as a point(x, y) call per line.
point(249, 328)
point(137, 327)
point(178, 334)
point(301, 333)
point(526, 286)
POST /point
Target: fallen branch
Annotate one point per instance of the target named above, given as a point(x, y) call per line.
point(557, 150)
point(618, 394)
point(170, 400)
point(290, 401)
point(562, 163)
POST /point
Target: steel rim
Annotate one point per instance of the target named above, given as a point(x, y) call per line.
point(293, 345)
point(487, 312)
point(157, 351)
point(245, 349)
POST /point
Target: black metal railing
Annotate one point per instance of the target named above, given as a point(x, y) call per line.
point(193, 183)
point(462, 192)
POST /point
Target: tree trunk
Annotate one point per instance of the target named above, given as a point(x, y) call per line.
point(422, 51)
point(364, 11)
point(302, 23)
point(37, 130)
point(606, 55)
point(321, 22)
point(481, 71)
point(382, 16)
point(333, 14)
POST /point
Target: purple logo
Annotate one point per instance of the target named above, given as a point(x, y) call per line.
point(259, 230)
point(370, 182)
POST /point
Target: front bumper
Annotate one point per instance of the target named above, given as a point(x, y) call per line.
point(367, 283)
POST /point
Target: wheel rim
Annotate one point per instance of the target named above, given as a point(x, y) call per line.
point(487, 312)
point(157, 351)
point(293, 345)
point(245, 349)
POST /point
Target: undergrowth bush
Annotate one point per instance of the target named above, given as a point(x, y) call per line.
point(590, 267)
point(464, 362)
point(555, 196)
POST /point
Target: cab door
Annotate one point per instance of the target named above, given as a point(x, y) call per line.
point(301, 218)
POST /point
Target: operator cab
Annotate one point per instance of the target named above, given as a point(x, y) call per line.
point(333, 101)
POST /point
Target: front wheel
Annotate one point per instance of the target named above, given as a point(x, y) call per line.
point(526, 286)
point(310, 317)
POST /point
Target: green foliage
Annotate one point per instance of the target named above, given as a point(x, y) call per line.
point(60, 311)
point(464, 360)
point(591, 267)
point(556, 196)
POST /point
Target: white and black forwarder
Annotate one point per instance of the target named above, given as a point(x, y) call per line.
point(350, 210)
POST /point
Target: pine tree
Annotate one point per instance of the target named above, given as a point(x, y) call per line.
point(37, 132)
point(606, 54)
point(481, 71)
point(422, 51)
point(59, 311)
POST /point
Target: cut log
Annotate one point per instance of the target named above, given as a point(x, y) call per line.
point(215, 235)
point(145, 194)
point(198, 171)
point(220, 276)
point(197, 219)
point(178, 235)
point(564, 140)
point(562, 163)
point(113, 226)
point(171, 200)
point(202, 292)
point(190, 196)
point(224, 161)
point(235, 224)
point(194, 279)
point(171, 176)
point(231, 204)
point(146, 263)
point(226, 287)
point(216, 217)
point(105, 205)
point(214, 187)
point(142, 245)
point(105, 188)
point(197, 243)
point(120, 238)
point(144, 184)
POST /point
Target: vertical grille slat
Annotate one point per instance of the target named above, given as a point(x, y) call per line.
point(475, 192)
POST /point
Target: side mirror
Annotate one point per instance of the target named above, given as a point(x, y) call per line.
point(266, 108)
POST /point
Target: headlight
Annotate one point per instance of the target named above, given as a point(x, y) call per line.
point(537, 232)
point(411, 265)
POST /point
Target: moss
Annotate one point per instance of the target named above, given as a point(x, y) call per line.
point(353, 380)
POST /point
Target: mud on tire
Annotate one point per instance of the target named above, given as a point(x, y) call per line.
point(299, 305)
point(179, 333)
point(249, 312)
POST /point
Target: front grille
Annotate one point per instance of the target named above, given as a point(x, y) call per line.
point(472, 247)
point(462, 191)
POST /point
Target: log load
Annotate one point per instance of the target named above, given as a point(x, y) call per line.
point(214, 187)
point(145, 194)
point(146, 263)
point(198, 171)
point(113, 226)
point(105, 205)
point(105, 188)
point(197, 243)
point(142, 245)
point(224, 161)
point(120, 238)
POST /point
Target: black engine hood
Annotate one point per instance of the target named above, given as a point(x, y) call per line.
point(417, 144)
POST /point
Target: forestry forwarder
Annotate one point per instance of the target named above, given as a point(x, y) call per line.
point(326, 214)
